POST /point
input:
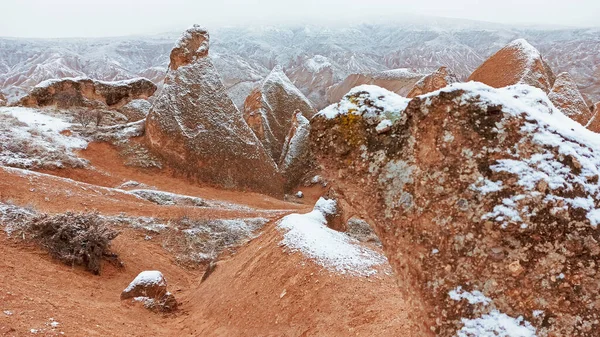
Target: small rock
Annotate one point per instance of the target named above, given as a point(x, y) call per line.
point(299, 194)
point(515, 268)
point(150, 283)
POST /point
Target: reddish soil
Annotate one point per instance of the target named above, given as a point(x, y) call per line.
point(258, 290)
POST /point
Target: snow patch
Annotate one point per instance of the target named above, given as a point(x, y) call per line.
point(147, 278)
point(369, 101)
point(496, 324)
point(336, 251)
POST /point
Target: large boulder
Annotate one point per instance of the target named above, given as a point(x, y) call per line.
point(517, 62)
point(270, 109)
point(196, 127)
point(400, 81)
point(432, 82)
point(86, 92)
point(486, 199)
point(565, 96)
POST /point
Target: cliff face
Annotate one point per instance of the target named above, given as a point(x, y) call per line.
point(195, 125)
point(487, 199)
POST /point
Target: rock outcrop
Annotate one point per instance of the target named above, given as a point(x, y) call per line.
point(2, 100)
point(196, 127)
point(270, 109)
point(594, 123)
point(432, 82)
point(399, 81)
point(86, 92)
point(565, 96)
point(313, 76)
point(136, 110)
point(296, 159)
point(487, 199)
point(517, 62)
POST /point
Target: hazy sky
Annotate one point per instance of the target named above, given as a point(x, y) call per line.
point(70, 18)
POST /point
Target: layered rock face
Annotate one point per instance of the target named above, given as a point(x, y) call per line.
point(195, 125)
point(487, 199)
point(400, 81)
point(270, 110)
point(565, 96)
point(517, 62)
point(86, 92)
point(432, 82)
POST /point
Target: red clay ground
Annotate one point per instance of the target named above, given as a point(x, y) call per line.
point(258, 290)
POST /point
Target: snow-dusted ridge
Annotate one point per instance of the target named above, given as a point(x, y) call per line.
point(333, 250)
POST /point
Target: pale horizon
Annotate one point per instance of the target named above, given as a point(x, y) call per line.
point(74, 19)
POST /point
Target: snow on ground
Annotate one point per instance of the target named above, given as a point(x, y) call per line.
point(496, 324)
point(31, 139)
point(473, 297)
point(369, 101)
point(492, 324)
point(336, 251)
point(167, 198)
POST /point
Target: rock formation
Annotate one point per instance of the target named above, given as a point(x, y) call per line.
point(432, 82)
point(2, 100)
point(86, 92)
point(399, 81)
point(486, 198)
point(196, 127)
point(594, 123)
point(136, 110)
point(270, 109)
point(565, 96)
point(517, 62)
point(296, 159)
point(313, 76)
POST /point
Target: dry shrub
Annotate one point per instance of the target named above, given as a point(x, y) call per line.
point(75, 239)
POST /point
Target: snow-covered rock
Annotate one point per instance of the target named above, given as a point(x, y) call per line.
point(594, 123)
point(565, 96)
point(432, 82)
point(195, 125)
point(269, 110)
point(518, 62)
point(494, 188)
point(373, 103)
point(150, 288)
point(296, 159)
point(149, 283)
point(82, 91)
point(136, 110)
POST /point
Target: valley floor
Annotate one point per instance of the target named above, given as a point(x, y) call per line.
point(256, 289)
